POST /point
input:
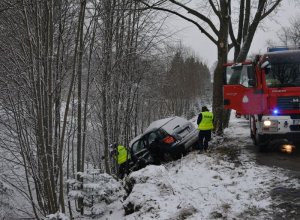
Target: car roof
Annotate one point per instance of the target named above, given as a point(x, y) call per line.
point(159, 123)
point(168, 124)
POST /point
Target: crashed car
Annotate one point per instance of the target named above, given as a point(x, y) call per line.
point(163, 140)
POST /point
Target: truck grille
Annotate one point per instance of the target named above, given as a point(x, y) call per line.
point(295, 127)
point(289, 103)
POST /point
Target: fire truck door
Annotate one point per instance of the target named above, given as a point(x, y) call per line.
point(246, 101)
point(241, 92)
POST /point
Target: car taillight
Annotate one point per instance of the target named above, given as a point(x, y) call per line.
point(169, 140)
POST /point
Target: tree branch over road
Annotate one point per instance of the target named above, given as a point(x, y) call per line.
point(193, 12)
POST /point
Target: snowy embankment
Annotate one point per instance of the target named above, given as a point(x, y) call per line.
point(222, 183)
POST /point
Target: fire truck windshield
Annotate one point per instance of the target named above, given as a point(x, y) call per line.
point(283, 75)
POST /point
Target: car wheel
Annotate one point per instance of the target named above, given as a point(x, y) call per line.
point(178, 155)
point(168, 157)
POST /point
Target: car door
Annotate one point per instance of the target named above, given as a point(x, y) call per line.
point(151, 139)
point(140, 150)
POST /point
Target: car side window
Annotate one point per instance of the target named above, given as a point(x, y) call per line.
point(152, 137)
point(138, 146)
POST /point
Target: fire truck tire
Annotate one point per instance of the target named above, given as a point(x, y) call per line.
point(261, 143)
point(263, 148)
point(252, 131)
point(255, 137)
point(258, 139)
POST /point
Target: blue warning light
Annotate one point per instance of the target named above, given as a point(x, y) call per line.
point(275, 111)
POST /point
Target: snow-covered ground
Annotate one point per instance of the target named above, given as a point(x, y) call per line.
point(223, 183)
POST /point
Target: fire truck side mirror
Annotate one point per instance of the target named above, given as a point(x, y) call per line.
point(265, 64)
point(251, 83)
point(224, 76)
point(237, 66)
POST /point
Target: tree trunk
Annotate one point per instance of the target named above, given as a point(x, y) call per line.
point(218, 73)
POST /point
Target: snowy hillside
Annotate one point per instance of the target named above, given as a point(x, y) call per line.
point(223, 183)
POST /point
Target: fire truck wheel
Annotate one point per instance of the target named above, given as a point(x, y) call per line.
point(255, 137)
point(261, 142)
point(252, 133)
point(263, 148)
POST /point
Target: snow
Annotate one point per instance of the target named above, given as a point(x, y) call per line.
point(168, 124)
point(224, 182)
point(201, 185)
point(158, 123)
point(57, 216)
point(101, 192)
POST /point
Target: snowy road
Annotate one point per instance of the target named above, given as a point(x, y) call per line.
point(285, 199)
point(289, 162)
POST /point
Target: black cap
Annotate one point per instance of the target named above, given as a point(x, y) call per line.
point(114, 145)
point(204, 109)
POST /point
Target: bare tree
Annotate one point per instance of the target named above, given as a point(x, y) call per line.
point(290, 36)
point(124, 35)
point(38, 42)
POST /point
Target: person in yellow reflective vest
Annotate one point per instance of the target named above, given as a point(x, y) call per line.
point(205, 124)
point(122, 158)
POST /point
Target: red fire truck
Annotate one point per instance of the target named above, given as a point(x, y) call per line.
point(268, 90)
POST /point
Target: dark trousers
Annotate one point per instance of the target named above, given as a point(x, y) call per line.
point(204, 138)
point(123, 169)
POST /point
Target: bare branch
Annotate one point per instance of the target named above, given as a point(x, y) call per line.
point(266, 13)
point(241, 22)
point(9, 6)
point(198, 15)
point(185, 18)
point(214, 8)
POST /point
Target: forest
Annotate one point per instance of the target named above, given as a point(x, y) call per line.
point(76, 76)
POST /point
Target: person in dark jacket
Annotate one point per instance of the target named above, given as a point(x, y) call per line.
point(155, 151)
point(205, 124)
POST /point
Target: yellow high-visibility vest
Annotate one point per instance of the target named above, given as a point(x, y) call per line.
point(207, 121)
point(122, 154)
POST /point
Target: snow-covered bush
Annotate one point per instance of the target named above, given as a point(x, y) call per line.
point(6, 201)
point(57, 216)
point(150, 196)
point(100, 193)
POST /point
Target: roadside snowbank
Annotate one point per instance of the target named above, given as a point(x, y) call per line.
point(202, 187)
point(222, 183)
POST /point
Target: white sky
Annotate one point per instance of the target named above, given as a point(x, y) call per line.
point(193, 38)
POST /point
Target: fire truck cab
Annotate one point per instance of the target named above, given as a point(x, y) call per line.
point(268, 90)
